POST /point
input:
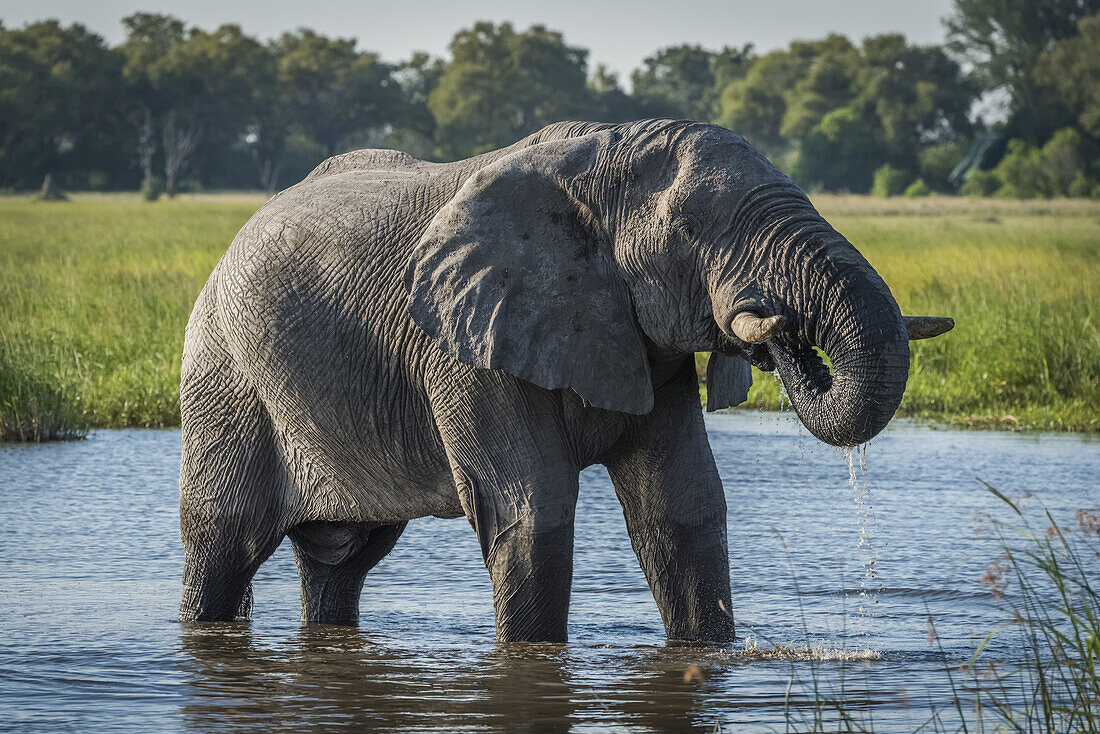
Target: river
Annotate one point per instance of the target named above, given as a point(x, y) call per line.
point(844, 566)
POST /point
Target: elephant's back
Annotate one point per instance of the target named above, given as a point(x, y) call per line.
point(369, 159)
point(312, 296)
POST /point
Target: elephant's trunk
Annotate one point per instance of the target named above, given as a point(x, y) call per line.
point(831, 298)
point(861, 331)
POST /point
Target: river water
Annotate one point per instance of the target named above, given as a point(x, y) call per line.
point(849, 564)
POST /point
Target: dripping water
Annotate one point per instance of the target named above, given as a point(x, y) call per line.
point(866, 527)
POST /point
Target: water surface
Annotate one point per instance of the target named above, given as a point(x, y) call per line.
point(90, 561)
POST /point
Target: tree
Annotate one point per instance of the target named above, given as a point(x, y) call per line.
point(1004, 40)
point(840, 153)
point(223, 84)
point(339, 97)
point(918, 94)
point(784, 94)
point(754, 106)
point(1072, 68)
point(609, 102)
point(501, 84)
point(904, 97)
point(828, 82)
point(203, 89)
point(414, 131)
point(149, 37)
point(685, 81)
point(61, 106)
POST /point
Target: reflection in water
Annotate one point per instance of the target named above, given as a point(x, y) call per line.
point(90, 563)
point(333, 676)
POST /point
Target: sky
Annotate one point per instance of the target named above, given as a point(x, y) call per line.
point(619, 34)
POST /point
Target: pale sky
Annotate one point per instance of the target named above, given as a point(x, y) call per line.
point(619, 34)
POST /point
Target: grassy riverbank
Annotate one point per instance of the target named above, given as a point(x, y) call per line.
point(95, 293)
point(94, 297)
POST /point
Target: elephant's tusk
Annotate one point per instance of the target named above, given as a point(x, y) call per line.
point(748, 327)
point(926, 327)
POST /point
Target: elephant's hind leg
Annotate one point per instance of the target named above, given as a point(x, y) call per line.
point(333, 561)
point(231, 483)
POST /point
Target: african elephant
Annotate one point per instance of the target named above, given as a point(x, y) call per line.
point(392, 339)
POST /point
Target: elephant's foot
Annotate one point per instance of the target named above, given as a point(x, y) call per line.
point(218, 568)
point(532, 575)
point(333, 561)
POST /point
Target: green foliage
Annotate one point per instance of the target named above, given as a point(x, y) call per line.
point(1084, 187)
point(685, 81)
point(907, 98)
point(918, 189)
point(227, 110)
point(1022, 173)
point(1005, 41)
point(152, 188)
point(935, 163)
point(32, 405)
point(95, 294)
point(608, 100)
point(339, 97)
point(917, 94)
point(1072, 69)
point(827, 83)
point(1054, 606)
point(502, 84)
point(981, 183)
point(61, 104)
point(94, 298)
point(889, 181)
point(754, 105)
point(840, 153)
point(1063, 158)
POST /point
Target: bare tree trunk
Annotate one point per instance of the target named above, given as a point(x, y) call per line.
point(179, 144)
point(268, 171)
point(146, 145)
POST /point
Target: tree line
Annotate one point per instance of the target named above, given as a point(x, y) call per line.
point(176, 108)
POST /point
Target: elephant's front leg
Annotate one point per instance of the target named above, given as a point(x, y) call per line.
point(666, 480)
point(518, 486)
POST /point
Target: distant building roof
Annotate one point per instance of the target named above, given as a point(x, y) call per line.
point(986, 152)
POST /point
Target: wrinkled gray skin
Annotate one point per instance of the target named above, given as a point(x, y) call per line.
point(391, 339)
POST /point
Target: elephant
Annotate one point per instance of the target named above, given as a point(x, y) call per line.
point(392, 339)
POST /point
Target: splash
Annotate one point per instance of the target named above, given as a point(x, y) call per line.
point(801, 653)
point(866, 525)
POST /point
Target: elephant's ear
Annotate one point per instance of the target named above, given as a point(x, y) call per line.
point(728, 381)
point(514, 274)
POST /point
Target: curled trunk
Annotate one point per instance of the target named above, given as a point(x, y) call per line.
point(834, 300)
point(861, 332)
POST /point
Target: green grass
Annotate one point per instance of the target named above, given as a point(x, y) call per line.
point(94, 298)
point(95, 294)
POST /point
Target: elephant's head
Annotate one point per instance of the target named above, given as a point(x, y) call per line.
point(589, 250)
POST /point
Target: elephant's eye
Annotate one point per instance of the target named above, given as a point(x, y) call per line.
point(687, 227)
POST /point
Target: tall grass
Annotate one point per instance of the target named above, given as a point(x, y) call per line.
point(1055, 617)
point(95, 294)
point(1046, 583)
point(94, 298)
